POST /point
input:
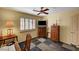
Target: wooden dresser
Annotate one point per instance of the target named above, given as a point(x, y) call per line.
point(55, 33)
point(42, 32)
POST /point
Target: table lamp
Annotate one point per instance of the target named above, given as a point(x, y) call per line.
point(9, 25)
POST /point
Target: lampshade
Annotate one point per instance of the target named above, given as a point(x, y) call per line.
point(9, 24)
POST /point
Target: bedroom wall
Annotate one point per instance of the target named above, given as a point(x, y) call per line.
point(68, 22)
point(6, 14)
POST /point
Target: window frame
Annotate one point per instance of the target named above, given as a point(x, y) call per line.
point(25, 30)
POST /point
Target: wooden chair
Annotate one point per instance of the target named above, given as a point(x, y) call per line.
point(27, 43)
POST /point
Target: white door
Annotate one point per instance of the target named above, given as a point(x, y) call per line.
point(74, 29)
point(65, 29)
point(78, 32)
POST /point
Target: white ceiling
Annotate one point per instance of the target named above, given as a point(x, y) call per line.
point(51, 9)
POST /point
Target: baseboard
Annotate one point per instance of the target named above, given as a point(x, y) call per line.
point(69, 46)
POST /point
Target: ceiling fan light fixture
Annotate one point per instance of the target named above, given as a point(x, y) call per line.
point(43, 10)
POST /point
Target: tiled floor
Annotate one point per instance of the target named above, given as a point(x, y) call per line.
point(43, 44)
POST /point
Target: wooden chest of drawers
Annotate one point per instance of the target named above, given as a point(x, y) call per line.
point(42, 32)
point(55, 30)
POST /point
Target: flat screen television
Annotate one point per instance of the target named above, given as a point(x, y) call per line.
point(41, 22)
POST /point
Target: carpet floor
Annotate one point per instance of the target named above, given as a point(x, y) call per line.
point(44, 44)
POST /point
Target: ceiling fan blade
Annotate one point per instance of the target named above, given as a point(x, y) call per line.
point(45, 13)
point(36, 10)
point(38, 13)
point(46, 9)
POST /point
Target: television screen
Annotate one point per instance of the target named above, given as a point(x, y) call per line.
point(41, 22)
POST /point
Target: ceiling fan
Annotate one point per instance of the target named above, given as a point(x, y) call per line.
point(43, 10)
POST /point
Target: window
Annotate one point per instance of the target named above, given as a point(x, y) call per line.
point(27, 24)
point(30, 23)
point(33, 26)
point(21, 23)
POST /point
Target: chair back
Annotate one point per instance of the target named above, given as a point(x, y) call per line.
point(27, 42)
